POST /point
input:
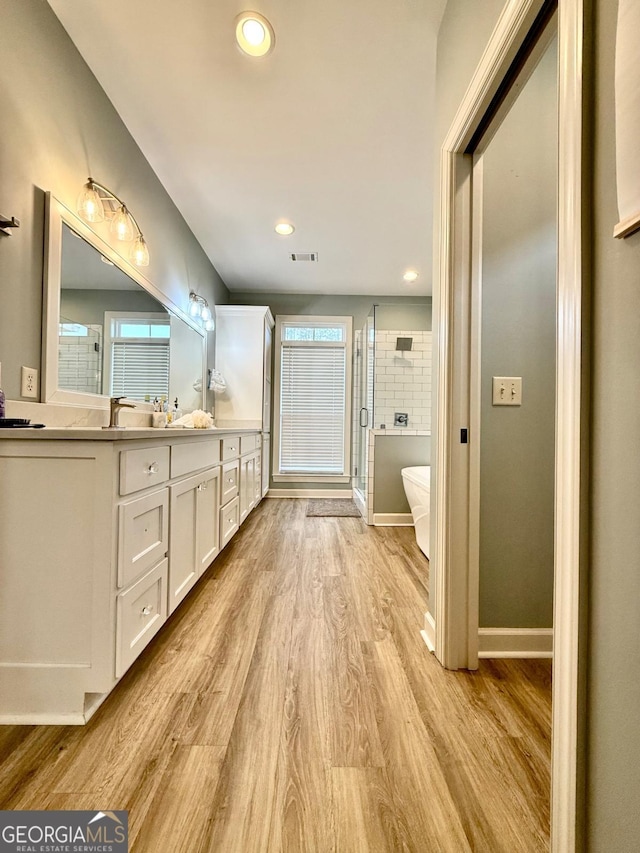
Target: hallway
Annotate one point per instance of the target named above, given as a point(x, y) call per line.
point(291, 704)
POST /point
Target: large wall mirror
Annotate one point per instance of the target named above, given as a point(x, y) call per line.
point(108, 330)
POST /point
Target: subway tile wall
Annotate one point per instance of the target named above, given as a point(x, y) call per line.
point(402, 380)
point(79, 363)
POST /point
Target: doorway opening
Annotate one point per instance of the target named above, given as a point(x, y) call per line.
point(451, 626)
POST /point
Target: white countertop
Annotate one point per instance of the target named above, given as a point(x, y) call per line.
point(125, 434)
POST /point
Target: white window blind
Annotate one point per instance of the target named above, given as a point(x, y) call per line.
point(312, 409)
point(139, 368)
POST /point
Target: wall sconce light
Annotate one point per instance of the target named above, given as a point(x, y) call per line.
point(199, 310)
point(91, 207)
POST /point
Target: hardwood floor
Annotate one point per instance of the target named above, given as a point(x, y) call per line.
point(291, 705)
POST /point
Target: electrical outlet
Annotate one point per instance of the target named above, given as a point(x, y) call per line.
point(507, 390)
point(29, 385)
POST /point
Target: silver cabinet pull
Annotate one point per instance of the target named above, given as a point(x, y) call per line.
point(153, 468)
point(202, 487)
point(147, 610)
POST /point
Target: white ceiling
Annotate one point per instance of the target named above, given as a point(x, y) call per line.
point(332, 131)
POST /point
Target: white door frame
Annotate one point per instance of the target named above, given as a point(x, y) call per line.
point(448, 623)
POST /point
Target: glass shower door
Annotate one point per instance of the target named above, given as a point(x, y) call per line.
point(363, 402)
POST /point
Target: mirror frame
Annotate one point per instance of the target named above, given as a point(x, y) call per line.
point(56, 213)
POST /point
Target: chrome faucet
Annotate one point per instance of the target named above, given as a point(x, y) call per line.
point(114, 407)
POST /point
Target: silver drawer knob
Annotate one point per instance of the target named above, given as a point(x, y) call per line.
point(147, 610)
point(230, 480)
point(153, 468)
point(202, 487)
point(232, 448)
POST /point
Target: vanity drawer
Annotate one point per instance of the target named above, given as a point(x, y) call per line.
point(229, 521)
point(230, 476)
point(143, 539)
point(140, 612)
point(194, 455)
point(230, 447)
point(248, 443)
point(140, 469)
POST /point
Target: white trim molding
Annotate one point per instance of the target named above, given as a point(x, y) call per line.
point(452, 586)
point(429, 632)
point(392, 519)
point(309, 493)
point(515, 642)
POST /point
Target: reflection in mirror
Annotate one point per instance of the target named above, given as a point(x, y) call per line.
point(116, 339)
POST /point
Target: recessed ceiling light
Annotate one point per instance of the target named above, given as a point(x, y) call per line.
point(254, 34)
point(410, 275)
point(285, 228)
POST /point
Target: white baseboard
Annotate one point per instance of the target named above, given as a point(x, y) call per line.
point(309, 493)
point(429, 632)
point(392, 519)
point(359, 502)
point(515, 642)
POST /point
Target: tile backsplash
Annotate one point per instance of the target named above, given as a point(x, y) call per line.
point(402, 380)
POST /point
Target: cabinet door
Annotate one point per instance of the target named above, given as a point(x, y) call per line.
point(142, 534)
point(247, 473)
point(230, 479)
point(208, 519)
point(183, 556)
point(266, 462)
point(257, 479)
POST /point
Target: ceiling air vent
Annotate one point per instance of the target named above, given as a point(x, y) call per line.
point(304, 256)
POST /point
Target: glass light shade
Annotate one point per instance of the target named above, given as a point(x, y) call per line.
point(205, 313)
point(194, 307)
point(122, 226)
point(140, 252)
point(89, 204)
point(210, 325)
point(410, 275)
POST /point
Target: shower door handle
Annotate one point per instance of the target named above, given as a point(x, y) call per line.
point(366, 417)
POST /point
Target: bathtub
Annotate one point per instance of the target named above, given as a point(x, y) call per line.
point(417, 486)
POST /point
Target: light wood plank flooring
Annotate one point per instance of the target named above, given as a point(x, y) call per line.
point(291, 705)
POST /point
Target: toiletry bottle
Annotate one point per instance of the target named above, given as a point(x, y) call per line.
point(177, 411)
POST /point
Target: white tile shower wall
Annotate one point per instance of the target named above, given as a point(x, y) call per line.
point(79, 367)
point(403, 380)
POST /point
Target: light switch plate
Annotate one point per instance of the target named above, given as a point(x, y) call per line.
point(507, 390)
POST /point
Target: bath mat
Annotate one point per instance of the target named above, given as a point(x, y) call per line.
point(332, 508)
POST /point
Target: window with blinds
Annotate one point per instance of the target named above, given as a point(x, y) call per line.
point(313, 367)
point(140, 368)
point(137, 354)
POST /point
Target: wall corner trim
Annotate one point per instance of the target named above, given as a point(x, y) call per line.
point(515, 643)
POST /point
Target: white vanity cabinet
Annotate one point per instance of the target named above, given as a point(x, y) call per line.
point(244, 341)
point(101, 537)
point(250, 474)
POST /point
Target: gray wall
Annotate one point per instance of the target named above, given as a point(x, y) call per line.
point(519, 238)
point(393, 453)
point(58, 126)
point(357, 307)
point(613, 733)
point(406, 315)
point(88, 306)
